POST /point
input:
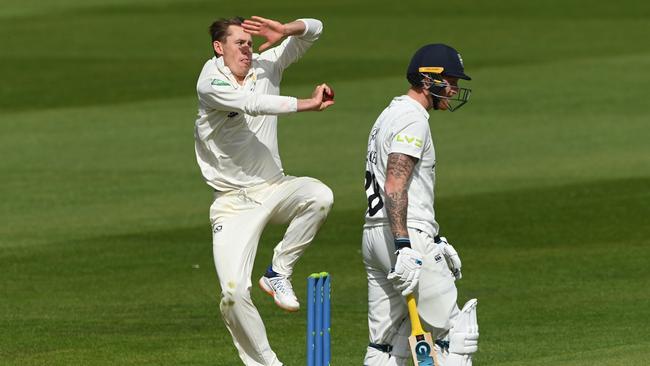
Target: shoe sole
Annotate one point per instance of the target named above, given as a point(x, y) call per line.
point(270, 291)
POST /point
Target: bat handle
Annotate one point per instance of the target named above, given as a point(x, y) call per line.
point(416, 326)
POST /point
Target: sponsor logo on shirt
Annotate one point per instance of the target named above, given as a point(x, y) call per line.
point(218, 82)
point(410, 140)
point(232, 114)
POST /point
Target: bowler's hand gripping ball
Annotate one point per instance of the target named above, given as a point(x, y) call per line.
point(328, 96)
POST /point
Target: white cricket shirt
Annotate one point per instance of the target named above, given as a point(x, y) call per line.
point(235, 133)
point(403, 127)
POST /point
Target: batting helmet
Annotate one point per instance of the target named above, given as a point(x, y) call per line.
point(431, 62)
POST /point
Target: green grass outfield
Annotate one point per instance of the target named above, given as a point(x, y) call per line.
point(543, 178)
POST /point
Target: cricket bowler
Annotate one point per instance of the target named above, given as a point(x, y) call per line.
point(237, 151)
point(402, 250)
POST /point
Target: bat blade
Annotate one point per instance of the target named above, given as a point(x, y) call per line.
point(422, 350)
point(420, 342)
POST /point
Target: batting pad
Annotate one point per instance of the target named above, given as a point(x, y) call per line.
point(463, 336)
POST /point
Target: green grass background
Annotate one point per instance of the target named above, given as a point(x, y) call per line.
point(543, 178)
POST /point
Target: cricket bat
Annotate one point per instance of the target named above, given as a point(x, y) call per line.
point(420, 341)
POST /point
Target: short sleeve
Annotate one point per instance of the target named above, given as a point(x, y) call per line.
point(410, 138)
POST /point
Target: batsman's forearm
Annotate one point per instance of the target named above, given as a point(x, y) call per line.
point(396, 205)
point(398, 174)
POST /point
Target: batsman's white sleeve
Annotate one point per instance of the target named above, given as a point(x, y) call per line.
point(410, 136)
point(227, 99)
point(292, 48)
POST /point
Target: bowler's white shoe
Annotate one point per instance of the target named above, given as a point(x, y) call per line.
point(280, 288)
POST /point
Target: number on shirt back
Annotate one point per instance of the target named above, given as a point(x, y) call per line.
point(372, 192)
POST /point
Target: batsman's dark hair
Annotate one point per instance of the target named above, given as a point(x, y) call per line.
point(219, 28)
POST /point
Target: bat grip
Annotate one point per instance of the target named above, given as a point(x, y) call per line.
point(416, 326)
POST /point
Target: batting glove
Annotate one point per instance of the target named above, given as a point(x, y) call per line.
point(406, 274)
point(451, 257)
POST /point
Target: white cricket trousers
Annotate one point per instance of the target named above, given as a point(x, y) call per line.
point(238, 219)
point(388, 320)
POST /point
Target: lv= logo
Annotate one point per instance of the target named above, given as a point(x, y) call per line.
point(411, 140)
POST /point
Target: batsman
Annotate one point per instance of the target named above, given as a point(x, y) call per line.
point(403, 252)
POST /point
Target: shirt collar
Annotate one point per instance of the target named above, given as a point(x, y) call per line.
point(221, 66)
point(415, 104)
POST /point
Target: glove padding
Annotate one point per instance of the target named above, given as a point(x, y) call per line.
point(406, 274)
point(451, 257)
